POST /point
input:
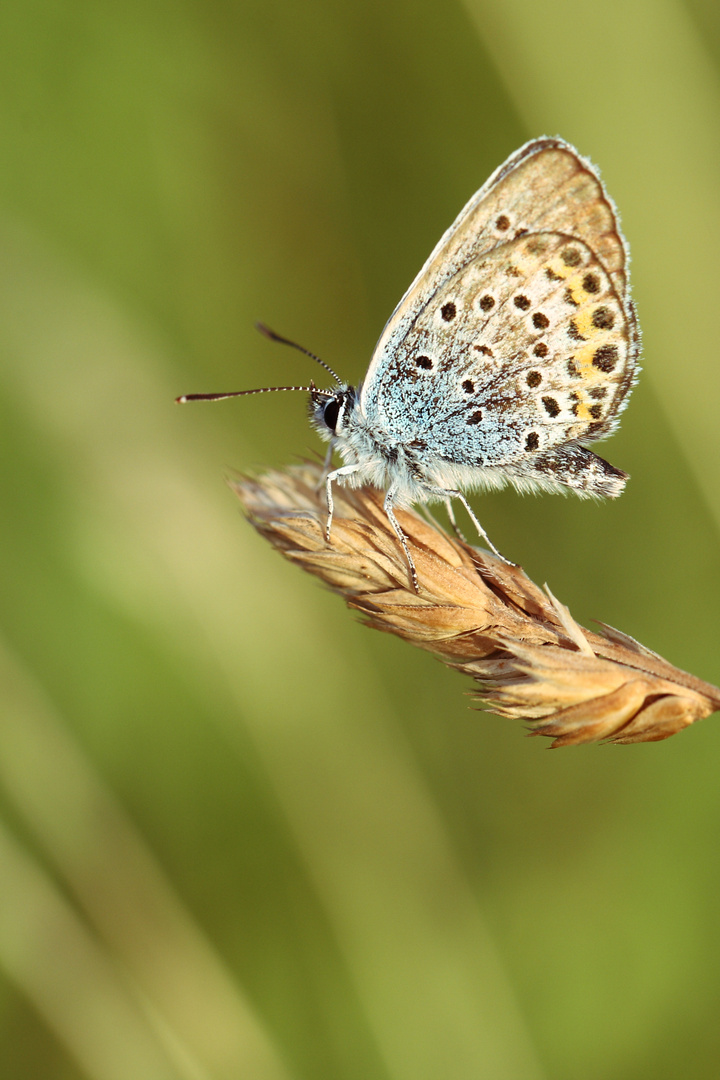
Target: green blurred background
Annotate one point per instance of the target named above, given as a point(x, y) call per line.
point(241, 835)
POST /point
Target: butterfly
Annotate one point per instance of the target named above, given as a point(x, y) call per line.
point(515, 345)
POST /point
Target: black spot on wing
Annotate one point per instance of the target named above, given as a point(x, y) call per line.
point(603, 318)
point(571, 256)
point(606, 358)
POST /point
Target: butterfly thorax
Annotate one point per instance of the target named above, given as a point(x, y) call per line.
point(381, 457)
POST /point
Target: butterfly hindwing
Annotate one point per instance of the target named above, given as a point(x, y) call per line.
point(527, 347)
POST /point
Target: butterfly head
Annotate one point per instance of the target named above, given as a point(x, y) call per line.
point(329, 410)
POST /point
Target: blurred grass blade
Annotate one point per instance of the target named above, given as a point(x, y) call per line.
point(187, 995)
point(82, 996)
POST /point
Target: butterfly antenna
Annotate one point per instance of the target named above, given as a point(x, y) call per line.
point(241, 393)
point(268, 333)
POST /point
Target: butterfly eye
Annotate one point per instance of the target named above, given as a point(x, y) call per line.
point(331, 412)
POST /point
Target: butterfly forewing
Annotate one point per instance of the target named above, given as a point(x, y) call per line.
point(545, 187)
point(517, 337)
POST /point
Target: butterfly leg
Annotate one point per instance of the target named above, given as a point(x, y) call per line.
point(326, 464)
point(451, 514)
point(388, 505)
point(345, 470)
point(448, 495)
